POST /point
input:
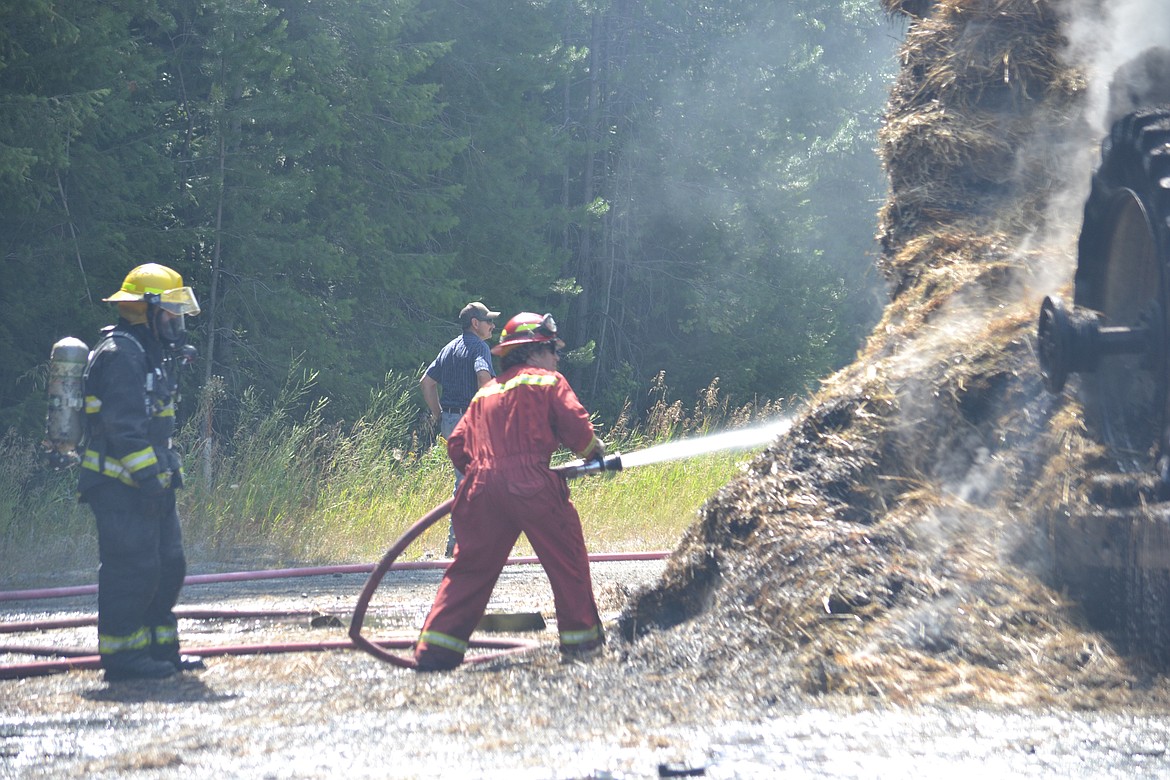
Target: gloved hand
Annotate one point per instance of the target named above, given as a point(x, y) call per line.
point(598, 453)
point(176, 469)
point(157, 495)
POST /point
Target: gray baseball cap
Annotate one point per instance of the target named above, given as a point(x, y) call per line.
point(478, 311)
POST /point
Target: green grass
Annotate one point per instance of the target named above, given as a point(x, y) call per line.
point(281, 491)
point(649, 507)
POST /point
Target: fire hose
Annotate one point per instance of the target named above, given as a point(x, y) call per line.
point(68, 659)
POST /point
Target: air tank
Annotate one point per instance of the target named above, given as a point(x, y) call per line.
point(65, 419)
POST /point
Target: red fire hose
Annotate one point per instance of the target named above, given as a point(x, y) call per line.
point(377, 649)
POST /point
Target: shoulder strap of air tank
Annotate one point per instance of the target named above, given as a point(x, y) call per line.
point(109, 334)
point(122, 334)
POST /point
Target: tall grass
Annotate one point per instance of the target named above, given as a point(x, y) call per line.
point(285, 491)
point(44, 532)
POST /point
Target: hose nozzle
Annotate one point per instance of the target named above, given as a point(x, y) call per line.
point(582, 468)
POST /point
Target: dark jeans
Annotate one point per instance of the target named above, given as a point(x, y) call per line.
point(447, 422)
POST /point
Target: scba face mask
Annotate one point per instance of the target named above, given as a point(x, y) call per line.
point(171, 329)
point(170, 309)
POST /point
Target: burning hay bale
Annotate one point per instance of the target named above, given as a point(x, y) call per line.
point(976, 80)
point(892, 544)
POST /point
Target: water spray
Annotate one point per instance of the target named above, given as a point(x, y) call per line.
point(741, 439)
point(677, 450)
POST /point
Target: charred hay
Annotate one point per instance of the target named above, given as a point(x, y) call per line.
point(894, 544)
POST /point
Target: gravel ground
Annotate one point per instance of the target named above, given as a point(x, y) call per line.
point(628, 713)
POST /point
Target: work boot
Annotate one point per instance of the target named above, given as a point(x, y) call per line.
point(184, 663)
point(135, 665)
point(581, 654)
point(433, 658)
point(170, 654)
point(584, 651)
point(164, 646)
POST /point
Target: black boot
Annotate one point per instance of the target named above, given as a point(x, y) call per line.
point(188, 663)
point(134, 665)
point(182, 663)
point(164, 646)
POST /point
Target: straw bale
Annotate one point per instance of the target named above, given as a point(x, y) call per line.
point(976, 79)
point(894, 544)
point(995, 56)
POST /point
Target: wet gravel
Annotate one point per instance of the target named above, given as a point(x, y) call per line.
point(624, 714)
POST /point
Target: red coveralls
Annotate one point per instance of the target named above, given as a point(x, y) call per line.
point(503, 445)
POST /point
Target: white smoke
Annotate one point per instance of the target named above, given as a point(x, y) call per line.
point(1104, 37)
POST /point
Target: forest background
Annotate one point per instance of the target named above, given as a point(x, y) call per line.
point(689, 187)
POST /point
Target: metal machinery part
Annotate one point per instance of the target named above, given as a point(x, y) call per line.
point(582, 468)
point(1115, 333)
point(1113, 551)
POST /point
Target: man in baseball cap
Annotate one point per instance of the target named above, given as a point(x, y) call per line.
point(459, 370)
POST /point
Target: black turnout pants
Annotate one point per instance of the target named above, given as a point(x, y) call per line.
point(142, 566)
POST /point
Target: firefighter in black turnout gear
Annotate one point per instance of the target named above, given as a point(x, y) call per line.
point(129, 474)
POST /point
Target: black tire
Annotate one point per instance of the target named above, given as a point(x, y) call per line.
point(1123, 271)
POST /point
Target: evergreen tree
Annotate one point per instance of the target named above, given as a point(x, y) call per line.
point(306, 154)
point(721, 140)
point(501, 72)
point(687, 186)
point(82, 182)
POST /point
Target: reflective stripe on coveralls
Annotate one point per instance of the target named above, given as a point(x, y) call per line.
point(496, 388)
point(165, 635)
point(139, 640)
point(444, 640)
point(581, 637)
point(122, 470)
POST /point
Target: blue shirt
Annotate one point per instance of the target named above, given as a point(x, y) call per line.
point(457, 366)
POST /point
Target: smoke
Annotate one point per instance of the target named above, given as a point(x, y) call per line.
point(1105, 37)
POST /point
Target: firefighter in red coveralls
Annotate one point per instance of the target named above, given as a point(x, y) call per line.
point(503, 445)
point(129, 474)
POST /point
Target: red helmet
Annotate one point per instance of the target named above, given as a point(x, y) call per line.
point(527, 328)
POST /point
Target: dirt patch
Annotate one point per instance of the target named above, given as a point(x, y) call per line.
point(666, 703)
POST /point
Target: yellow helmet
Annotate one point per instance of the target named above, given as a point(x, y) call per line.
point(158, 285)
